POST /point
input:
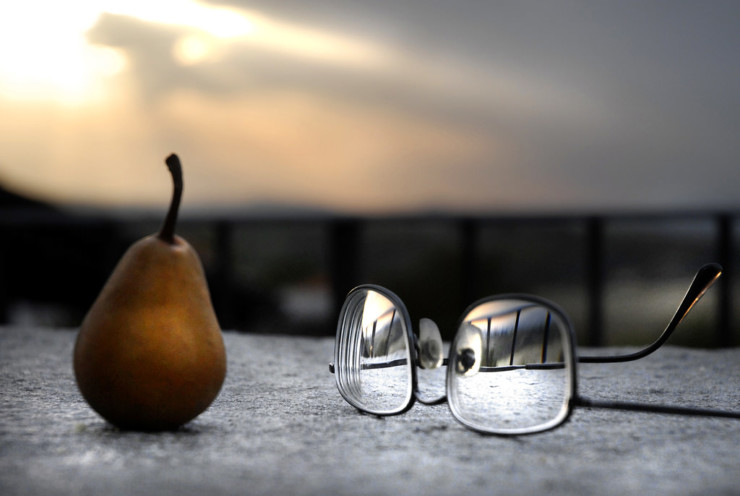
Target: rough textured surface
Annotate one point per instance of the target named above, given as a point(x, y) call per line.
point(280, 427)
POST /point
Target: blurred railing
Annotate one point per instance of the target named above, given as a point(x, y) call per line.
point(343, 242)
point(345, 236)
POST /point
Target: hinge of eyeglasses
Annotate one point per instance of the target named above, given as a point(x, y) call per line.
point(331, 367)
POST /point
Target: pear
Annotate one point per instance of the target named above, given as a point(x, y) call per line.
point(149, 354)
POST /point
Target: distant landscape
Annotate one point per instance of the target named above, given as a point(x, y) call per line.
point(270, 267)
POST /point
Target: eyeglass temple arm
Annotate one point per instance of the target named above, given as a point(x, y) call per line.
point(703, 280)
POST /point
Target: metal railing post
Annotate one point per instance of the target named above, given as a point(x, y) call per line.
point(726, 282)
point(223, 273)
point(344, 255)
point(468, 260)
point(595, 280)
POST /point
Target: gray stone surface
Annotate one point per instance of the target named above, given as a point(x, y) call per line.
point(280, 427)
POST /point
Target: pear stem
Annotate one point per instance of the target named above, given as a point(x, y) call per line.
point(167, 232)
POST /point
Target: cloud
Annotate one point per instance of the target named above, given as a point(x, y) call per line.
point(388, 104)
point(275, 123)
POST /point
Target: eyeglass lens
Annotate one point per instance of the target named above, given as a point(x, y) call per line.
point(509, 368)
point(373, 358)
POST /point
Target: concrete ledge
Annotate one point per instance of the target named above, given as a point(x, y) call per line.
point(280, 427)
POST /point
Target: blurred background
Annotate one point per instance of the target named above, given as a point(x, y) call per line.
point(583, 151)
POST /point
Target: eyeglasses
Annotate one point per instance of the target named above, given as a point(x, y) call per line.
point(511, 367)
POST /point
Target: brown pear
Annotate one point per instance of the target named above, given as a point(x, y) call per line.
point(149, 354)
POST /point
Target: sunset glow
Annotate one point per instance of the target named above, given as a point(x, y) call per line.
point(51, 58)
point(46, 56)
point(350, 106)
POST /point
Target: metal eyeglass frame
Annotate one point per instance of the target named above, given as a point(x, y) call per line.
point(702, 281)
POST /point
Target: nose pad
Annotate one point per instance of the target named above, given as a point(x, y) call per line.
point(468, 350)
point(430, 345)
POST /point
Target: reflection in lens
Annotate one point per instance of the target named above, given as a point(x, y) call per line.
point(372, 359)
point(522, 382)
point(468, 350)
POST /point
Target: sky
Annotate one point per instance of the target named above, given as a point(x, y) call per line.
point(374, 106)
